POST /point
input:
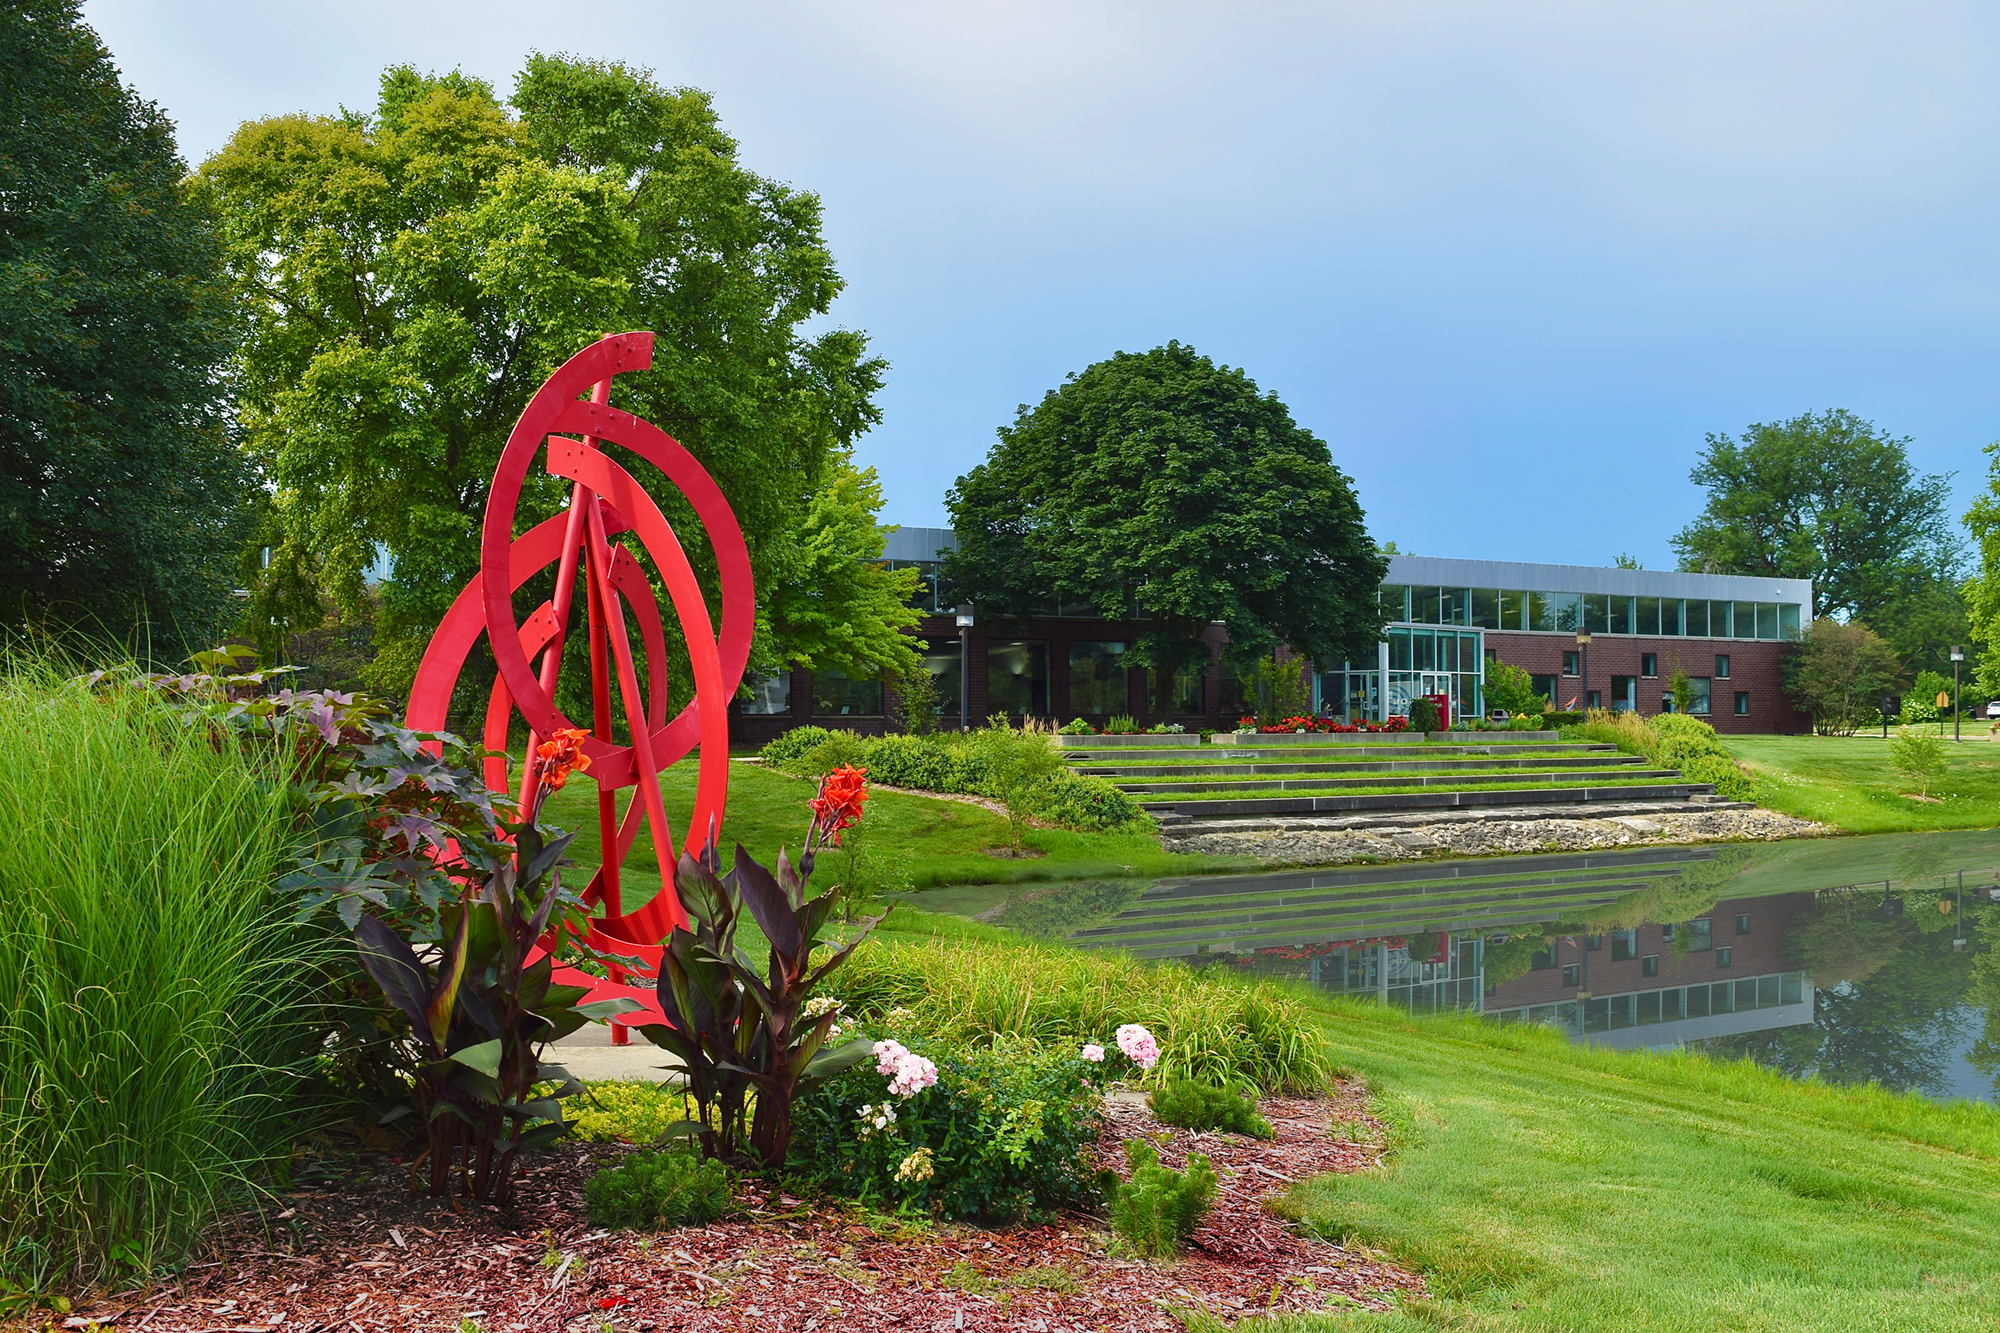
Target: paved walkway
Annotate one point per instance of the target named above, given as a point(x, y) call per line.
point(589, 1054)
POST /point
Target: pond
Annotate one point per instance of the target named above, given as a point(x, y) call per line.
point(1849, 959)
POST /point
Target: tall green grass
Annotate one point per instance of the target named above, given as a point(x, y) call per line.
point(1210, 1027)
point(156, 997)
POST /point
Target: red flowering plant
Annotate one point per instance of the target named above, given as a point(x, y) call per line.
point(740, 1027)
point(451, 894)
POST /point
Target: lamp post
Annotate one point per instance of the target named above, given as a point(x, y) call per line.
point(1583, 665)
point(965, 668)
point(1957, 656)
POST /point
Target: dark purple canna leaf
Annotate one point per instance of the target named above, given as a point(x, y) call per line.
point(393, 963)
point(774, 910)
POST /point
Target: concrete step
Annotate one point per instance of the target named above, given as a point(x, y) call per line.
point(1471, 803)
point(1554, 762)
point(1185, 826)
point(1374, 737)
point(1145, 789)
point(1329, 753)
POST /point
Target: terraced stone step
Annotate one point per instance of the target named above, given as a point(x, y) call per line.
point(1358, 784)
point(1334, 754)
point(1474, 802)
point(1441, 763)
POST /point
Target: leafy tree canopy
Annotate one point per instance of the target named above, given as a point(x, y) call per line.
point(1982, 591)
point(1162, 485)
point(414, 273)
point(119, 491)
point(1839, 675)
point(1824, 496)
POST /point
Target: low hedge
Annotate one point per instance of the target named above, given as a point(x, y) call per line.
point(951, 763)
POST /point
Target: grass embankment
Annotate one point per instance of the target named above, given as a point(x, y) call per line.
point(1544, 1186)
point(938, 841)
point(1847, 781)
point(1538, 780)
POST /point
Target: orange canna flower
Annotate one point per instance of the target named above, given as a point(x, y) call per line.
point(838, 805)
point(562, 754)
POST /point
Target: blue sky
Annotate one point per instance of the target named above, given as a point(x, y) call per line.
point(1510, 262)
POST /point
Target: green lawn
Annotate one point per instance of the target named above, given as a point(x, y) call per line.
point(933, 841)
point(1547, 1187)
point(1307, 786)
point(1846, 781)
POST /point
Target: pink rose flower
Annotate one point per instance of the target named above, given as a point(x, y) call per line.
point(1138, 1045)
point(1093, 1053)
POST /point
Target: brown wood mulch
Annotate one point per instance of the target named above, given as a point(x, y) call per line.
point(357, 1251)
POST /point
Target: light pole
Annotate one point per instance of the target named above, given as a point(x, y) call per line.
point(1583, 666)
point(965, 668)
point(1957, 656)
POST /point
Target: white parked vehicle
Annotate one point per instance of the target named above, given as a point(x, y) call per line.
point(1993, 709)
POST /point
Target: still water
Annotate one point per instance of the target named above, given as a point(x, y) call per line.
point(1852, 959)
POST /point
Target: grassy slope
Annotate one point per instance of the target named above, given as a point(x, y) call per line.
point(943, 842)
point(1543, 1186)
point(1846, 781)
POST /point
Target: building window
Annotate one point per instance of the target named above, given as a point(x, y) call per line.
point(1572, 972)
point(1722, 957)
point(1017, 678)
point(1742, 923)
point(1185, 699)
point(1698, 685)
point(1649, 966)
point(946, 662)
point(1624, 945)
point(769, 695)
point(1097, 679)
point(1701, 934)
point(837, 694)
point(1593, 941)
point(1569, 663)
point(1624, 693)
point(1543, 960)
point(1649, 664)
point(1545, 686)
point(1722, 666)
point(1667, 933)
point(1742, 703)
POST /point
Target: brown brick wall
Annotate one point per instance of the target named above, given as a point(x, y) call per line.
point(1755, 667)
point(1758, 953)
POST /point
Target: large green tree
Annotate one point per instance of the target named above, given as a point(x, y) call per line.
point(1826, 496)
point(1162, 485)
point(119, 491)
point(1982, 591)
point(1839, 675)
point(414, 273)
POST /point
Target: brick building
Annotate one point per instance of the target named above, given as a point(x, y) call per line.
point(1446, 617)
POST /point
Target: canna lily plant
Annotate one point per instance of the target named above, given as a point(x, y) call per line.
point(479, 1010)
point(737, 1026)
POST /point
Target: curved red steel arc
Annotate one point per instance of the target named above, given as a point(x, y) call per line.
point(611, 501)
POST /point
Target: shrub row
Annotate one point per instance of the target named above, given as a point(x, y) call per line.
point(953, 763)
point(1671, 740)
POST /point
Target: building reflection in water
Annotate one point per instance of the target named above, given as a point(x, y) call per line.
point(1657, 947)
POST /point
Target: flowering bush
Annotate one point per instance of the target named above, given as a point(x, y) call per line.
point(1138, 1045)
point(1000, 1131)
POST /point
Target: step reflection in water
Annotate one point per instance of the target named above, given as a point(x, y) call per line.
point(1851, 959)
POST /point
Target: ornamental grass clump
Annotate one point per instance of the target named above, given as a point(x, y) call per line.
point(162, 1010)
point(658, 1190)
point(1157, 1210)
point(1194, 1105)
point(1210, 1026)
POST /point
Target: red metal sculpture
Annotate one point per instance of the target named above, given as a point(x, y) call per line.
point(605, 501)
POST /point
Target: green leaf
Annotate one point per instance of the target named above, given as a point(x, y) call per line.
point(485, 1057)
point(603, 1009)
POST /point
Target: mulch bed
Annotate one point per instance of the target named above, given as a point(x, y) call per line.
point(359, 1252)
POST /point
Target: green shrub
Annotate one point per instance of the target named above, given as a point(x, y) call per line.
point(1918, 756)
point(1689, 744)
point(1192, 1105)
point(1156, 1211)
point(657, 1190)
point(1092, 805)
point(1553, 721)
point(1005, 1133)
point(1021, 763)
point(1210, 1026)
point(1122, 725)
point(1423, 715)
point(1512, 688)
point(919, 762)
point(791, 746)
point(1077, 727)
point(161, 1014)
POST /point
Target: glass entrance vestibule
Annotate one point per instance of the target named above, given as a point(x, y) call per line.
point(1412, 660)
